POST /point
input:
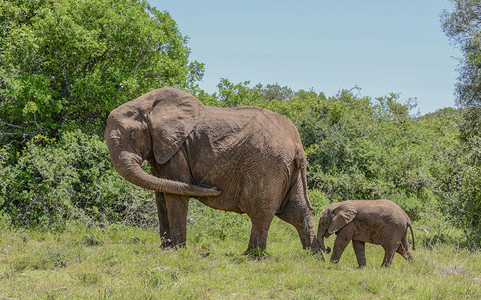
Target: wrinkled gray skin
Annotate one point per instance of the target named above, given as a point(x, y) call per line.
point(246, 160)
point(381, 222)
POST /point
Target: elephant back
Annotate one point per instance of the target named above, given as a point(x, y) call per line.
point(251, 125)
point(253, 148)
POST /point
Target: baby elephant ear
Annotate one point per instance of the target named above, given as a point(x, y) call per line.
point(342, 215)
point(174, 115)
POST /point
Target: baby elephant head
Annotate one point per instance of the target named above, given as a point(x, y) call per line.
point(333, 219)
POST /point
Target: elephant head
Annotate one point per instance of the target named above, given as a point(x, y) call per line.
point(153, 126)
point(333, 219)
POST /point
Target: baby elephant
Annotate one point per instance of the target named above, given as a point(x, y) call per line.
point(380, 222)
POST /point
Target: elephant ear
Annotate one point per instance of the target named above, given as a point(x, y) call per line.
point(173, 117)
point(342, 215)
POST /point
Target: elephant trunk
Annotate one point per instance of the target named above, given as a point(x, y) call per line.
point(320, 238)
point(128, 165)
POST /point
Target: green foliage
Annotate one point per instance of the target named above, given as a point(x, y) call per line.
point(463, 26)
point(240, 94)
point(319, 201)
point(231, 95)
point(66, 64)
point(71, 178)
point(5, 221)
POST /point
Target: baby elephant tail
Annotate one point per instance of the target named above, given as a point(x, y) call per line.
point(412, 235)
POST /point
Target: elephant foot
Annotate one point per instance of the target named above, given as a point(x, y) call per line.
point(168, 244)
point(165, 243)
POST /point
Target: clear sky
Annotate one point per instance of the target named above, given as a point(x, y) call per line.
point(381, 46)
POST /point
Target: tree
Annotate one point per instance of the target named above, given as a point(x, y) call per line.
point(463, 26)
point(66, 64)
point(232, 95)
point(274, 92)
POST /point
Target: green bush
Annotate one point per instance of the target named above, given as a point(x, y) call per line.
point(319, 201)
point(69, 179)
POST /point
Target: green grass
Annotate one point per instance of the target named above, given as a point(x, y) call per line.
point(120, 262)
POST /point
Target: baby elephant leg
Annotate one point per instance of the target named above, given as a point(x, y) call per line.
point(360, 253)
point(342, 240)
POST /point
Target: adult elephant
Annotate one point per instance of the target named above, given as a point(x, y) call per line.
point(246, 160)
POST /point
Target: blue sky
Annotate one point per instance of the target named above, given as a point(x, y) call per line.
point(381, 46)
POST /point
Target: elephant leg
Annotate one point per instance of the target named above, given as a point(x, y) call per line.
point(177, 207)
point(340, 244)
point(389, 252)
point(172, 208)
point(360, 253)
point(403, 248)
point(260, 228)
point(298, 215)
point(163, 220)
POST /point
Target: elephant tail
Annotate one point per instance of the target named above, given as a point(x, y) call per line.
point(302, 166)
point(412, 235)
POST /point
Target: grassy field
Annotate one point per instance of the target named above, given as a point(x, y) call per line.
point(120, 262)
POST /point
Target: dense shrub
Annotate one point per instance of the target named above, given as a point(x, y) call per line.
point(70, 178)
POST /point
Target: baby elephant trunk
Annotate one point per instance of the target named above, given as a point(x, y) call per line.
point(320, 238)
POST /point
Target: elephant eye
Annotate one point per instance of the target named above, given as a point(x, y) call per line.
point(132, 134)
